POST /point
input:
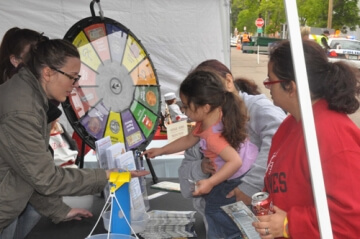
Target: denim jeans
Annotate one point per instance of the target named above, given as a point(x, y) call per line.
point(220, 225)
point(21, 226)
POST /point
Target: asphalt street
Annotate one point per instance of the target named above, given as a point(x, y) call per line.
point(254, 67)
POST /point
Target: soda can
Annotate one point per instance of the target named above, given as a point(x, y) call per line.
point(193, 186)
point(261, 204)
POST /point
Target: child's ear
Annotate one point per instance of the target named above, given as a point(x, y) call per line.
point(207, 108)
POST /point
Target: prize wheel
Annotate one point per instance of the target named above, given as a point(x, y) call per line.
point(118, 94)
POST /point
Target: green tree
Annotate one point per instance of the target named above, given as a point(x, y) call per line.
point(272, 11)
point(247, 14)
point(313, 13)
point(274, 15)
point(346, 14)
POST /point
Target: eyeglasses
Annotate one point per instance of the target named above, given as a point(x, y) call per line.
point(75, 79)
point(267, 83)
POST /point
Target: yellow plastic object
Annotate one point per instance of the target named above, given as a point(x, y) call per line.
point(117, 179)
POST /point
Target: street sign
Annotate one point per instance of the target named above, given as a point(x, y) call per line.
point(259, 22)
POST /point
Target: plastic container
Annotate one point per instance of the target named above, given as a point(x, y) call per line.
point(112, 236)
point(106, 219)
point(144, 193)
point(139, 220)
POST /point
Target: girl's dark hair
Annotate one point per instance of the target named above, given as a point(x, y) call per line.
point(52, 53)
point(248, 86)
point(203, 87)
point(337, 83)
point(13, 43)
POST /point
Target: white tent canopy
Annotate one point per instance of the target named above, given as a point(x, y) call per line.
point(177, 34)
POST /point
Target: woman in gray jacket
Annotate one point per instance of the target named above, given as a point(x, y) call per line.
point(27, 170)
point(265, 118)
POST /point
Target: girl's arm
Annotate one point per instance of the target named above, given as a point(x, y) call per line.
point(178, 145)
point(232, 164)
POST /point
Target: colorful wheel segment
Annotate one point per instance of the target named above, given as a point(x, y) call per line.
point(118, 94)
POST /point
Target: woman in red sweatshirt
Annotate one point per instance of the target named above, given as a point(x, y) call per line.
point(334, 88)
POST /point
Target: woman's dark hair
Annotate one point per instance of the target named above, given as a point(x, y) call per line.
point(215, 65)
point(13, 43)
point(242, 84)
point(52, 53)
point(248, 86)
point(337, 83)
point(203, 87)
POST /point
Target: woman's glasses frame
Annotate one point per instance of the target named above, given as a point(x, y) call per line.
point(267, 83)
point(75, 79)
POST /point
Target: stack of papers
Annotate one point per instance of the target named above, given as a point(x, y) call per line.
point(170, 224)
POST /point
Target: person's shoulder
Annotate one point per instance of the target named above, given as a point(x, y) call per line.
point(322, 113)
point(259, 100)
point(259, 106)
point(16, 91)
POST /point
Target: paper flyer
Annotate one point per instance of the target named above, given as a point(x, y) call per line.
point(113, 152)
point(127, 161)
point(101, 145)
point(243, 217)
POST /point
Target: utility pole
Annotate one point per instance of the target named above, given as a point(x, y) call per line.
point(330, 11)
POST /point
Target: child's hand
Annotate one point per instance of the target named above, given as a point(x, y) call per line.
point(152, 153)
point(203, 187)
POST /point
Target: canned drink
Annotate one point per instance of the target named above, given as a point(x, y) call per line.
point(261, 204)
point(193, 186)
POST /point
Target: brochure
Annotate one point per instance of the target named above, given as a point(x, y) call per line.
point(127, 161)
point(243, 217)
point(101, 145)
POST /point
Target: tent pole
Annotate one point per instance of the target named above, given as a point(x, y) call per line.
point(225, 7)
point(311, 143)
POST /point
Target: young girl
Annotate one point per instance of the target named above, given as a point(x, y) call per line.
point(221, 118)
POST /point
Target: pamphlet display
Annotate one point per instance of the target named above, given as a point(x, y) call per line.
point(115, 156)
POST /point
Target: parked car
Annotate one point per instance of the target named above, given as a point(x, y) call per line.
point(345, 50)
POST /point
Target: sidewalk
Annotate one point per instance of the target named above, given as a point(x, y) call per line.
point(250, 66)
